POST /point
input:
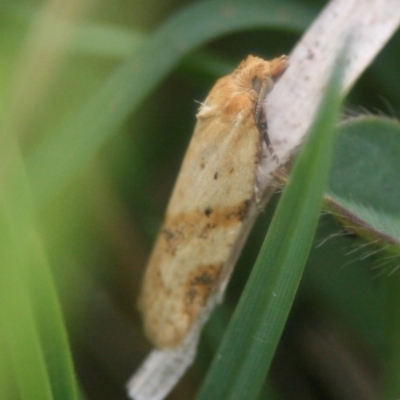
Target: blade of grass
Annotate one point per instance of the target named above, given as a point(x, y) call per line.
point(52, 164)
point(239, 368)
point(22, 348)
point(30, 315)
point(89, 38)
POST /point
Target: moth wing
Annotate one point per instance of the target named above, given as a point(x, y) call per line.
point(203, 221)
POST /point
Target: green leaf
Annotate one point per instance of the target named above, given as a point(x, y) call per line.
point(364, 180)
point(54, 162)
point(365, 196)
point(240, 366)
point(391, 358)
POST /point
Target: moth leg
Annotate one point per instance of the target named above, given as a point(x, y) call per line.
point(262, 126)
point(257, 197)
point(266, 146)
point(261, 174)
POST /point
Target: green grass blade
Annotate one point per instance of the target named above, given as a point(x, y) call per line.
point(242, 361)
point(30, 317)
point(22, 348)
point(52, 164)
point(89, 38)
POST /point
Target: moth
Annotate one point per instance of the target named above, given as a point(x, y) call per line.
point(219, 186)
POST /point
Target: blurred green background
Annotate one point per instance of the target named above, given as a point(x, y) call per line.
point(98, 103)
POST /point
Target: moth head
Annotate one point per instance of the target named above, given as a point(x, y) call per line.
point(259, 75)
point(268, 73)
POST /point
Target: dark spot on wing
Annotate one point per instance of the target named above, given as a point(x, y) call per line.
point(208, 211)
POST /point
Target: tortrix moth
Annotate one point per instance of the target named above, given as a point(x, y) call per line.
point(218, 180)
